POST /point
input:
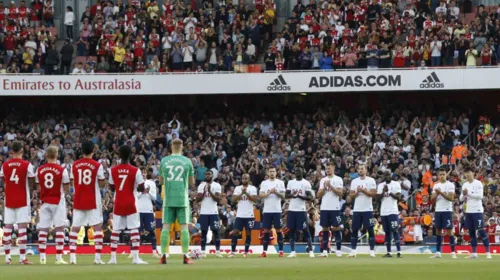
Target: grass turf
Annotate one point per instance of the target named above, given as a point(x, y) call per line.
point(363, 267)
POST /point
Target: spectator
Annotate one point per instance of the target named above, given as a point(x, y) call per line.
point(471, 55)
point(69, 20)
point(67, 52)
point(103, 66)
point(436, 46)
point(51, 60)
point(38, 69)
point(78, 68)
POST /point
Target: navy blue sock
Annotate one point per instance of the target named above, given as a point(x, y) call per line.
point(216, 236)
point(234, 241)
point(307, 235)
point(280, 241)
point(266, 240)
point(486, 240)
point(388, 241)
point(452, 243)
point(354, 239)
point(439, 242)
point(371, 238)
point(473, 240)
point(153, 240)
point(338, 239)
point(248, 241)
point(203, 240)
point(326, 240)
point(292, 240)
point(397, 240)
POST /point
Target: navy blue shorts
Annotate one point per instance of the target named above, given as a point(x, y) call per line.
point(244, 223)
point(443, 220)
point(272, 219)
point(364, 219)
point(296, 220)
point(474, 221)
point(330, 218)
point(209, 221)
point(390, 222)
point(148, 222)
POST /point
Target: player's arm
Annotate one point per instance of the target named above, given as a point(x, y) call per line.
point(478, 194)
point(380, 191)
point(339, 189)
point(370, 193)
point(191, 179)
point(280, 192)
point(152, 192)
point(200, 193)
point(111, 183)
point(288, 192)
point(323, 185)
point(236, 197)
point(450, 196)
point(65, 181)
point(31, 176)
point(263, 193)
point(100, 177)
point(215, 195)
point(139, 180)
point(435, 194)
point(354, 191)
point(309, 194)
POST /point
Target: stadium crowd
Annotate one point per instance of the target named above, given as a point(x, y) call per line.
point(144, 36)
point(411, 145)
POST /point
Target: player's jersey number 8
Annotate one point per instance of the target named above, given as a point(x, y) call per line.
point(175, 173)
point(48, 180)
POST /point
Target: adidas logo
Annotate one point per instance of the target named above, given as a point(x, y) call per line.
point(432, 82)
point(279, 84)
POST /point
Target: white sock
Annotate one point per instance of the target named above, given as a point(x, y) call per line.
point(135, 254)
point(372, 252)
point(97, 256)
point(58, 257)
point(113, 255)
point(43, 256)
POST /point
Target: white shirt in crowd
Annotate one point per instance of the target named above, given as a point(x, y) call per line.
point(69, 18)
point(145, 200)
point(436, 48)
point(474, 196)
point(389, 205)
point(208, 204)
point(187, 53)
point(272, 203)
point(363, 203)
point(442, 204)
point(245, 206)
point(331, 201)
point(301, 187)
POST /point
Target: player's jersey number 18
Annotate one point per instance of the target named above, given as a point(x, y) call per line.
point(175, 173)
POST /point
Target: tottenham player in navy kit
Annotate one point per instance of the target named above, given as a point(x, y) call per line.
point(363, 189)
point(272, 192)
point(299, 191)
point(472, 194)
point(389, 192)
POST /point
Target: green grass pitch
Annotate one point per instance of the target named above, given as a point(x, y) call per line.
point(304, 268)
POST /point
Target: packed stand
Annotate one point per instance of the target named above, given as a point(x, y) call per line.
point(383, 34)
point(412, 146)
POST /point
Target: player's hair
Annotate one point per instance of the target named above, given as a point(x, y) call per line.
point(330, 163)
point(125, 152)
point(52, 152)
point(468, 169)
point(87, 147)
point(361, 165)
point(17, 147)
point(272, 167)
point(442, 169)
point(176, 145)
point(209, 171)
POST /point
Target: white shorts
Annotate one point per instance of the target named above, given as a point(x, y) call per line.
point(52, 215)
point(20, 215)
point(87, 217)
point(126, 222)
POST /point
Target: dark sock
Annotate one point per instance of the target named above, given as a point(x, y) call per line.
point(452, 243)
point(486, 240)
point(216, 236)
point(388, 241)
point(266, 240)
point(307, 235)
point(234, 241)
point(292, 240)
point(371, 238)
point(473, 240)
point(248, 241)
point(397, 240)
point(338, 239)
point(280, 241)
point(203, 239)
point(439, 243)
point(326, 240)
point(153, 240)
point(354, 240)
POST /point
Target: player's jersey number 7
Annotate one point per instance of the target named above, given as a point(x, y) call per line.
point(175, 173)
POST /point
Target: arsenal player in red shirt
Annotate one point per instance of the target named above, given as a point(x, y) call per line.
point(125, 180)
point(53, 182)
point(18, 178)
point(87, 176)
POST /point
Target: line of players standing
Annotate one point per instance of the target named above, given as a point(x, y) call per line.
point(87, 177)
point(331, 189)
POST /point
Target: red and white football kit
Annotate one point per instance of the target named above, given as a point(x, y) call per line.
point(51, 177)
point(126, 178)
point(86, 174)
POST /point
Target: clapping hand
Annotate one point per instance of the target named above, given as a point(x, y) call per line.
point(465, 191)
